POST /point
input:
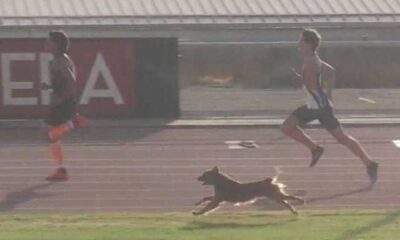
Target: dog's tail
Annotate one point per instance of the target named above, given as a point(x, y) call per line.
point(278, 172)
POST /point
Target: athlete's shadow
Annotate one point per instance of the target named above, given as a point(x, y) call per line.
point(339, 195)
point(13, 199)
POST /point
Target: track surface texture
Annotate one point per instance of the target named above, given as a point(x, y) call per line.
point(155, 170)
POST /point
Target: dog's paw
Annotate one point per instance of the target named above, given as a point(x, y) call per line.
point(196, 213)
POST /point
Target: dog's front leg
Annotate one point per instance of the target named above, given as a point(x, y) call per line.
point(210, 206)
point(210, 198)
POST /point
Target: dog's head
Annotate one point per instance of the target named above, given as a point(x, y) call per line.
point(209, 177)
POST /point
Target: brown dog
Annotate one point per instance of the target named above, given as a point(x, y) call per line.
point(229, 190)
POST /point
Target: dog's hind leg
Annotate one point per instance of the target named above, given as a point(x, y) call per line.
point(290, 207)
point(210, 206)
point(210, 198)
point(290, 197)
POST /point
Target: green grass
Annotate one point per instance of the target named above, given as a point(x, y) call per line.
point(349, 225)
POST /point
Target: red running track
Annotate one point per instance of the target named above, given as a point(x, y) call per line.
point(155, 170)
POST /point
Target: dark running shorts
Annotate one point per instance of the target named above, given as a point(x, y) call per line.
point(325, 116)
point(61, 113)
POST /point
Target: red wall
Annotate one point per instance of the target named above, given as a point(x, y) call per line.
point(105, 77)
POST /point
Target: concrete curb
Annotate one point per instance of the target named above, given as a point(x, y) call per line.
point(204, 123)
point(354, 122)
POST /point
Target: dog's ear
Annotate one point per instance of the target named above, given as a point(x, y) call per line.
point(215, 169)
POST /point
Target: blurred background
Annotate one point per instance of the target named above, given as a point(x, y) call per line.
point(200, 58)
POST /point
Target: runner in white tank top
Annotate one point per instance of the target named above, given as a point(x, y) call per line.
point(319, 106)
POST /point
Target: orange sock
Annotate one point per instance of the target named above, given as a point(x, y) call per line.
point(56, 152)
point(57, 132)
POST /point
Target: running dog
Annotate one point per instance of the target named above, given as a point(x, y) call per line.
point(228, 190)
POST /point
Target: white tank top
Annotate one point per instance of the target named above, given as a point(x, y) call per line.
point(318, 98)
point(309, 99)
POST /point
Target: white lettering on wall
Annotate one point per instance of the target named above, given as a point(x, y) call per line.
point(9, 85)
point(100, 68)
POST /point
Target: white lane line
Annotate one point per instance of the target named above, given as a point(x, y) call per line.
point(133, 198)
point(288, 177)
point(189, 166)
point(103, 183)
point(184, 207)
point(135, 159)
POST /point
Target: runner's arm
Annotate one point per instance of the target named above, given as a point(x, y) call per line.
point(65, 85)
point(330, 78)
point(67, 79)
point(310, 76)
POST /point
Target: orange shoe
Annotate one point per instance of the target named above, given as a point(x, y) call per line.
point(59, 175)
point(80, 121)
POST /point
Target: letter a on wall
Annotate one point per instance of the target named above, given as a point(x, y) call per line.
point(100, 68)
